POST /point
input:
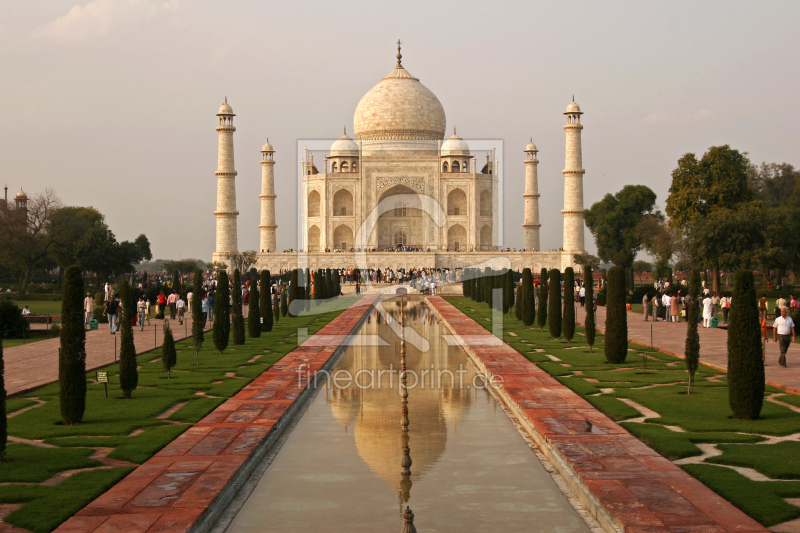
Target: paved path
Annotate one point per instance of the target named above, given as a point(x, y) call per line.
point(634, 488)
point(180, 484)
point(35, 364)
point(670, 337)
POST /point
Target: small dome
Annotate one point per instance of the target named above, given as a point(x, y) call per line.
point(531, 147)
point(21, 195)
point(267, 147)
point(573, 108)
point(455, 145)
point(344, 146)
point(225, 109)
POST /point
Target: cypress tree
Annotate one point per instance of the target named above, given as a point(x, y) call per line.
point(329, 282)
point(198, 334)
point(292, 289)
point(284, 302)
point(276, 307)
point(72, 356)
point(465, 283)
point(478, 286)
point(337, 283)
point(569, 304)
point(543, 299)
point(616, 347)
point(307, 290)
point(508, 291)
point(222, 309)
point(169, 357)
point(745, 363)
point(237, 320)
point(3, 418)
point(488, 283)
point(554, 308)
point(518, 302)
point(591, 328)
point(176, 281)
point(526, 290)
point(128, 373)
point(266, 301)
point(692, 347)
point(254, 313)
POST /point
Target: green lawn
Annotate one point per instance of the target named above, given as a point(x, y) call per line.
point(40, 308)
point(114, 422)
point(704, 415)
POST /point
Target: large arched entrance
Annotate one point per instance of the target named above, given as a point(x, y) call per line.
point(403, 224)
point(343, 237)
point(486, 238)
point(457, 238)
point(313, 239)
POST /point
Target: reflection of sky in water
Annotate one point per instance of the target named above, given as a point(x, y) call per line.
point(471, 469)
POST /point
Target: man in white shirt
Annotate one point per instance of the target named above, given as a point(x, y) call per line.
point(26, 311)
point(666, 299)
point(783, 327)
point(707, 311)
point(180, 307)
point(88, 308)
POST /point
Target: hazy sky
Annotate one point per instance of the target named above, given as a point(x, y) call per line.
point(112, 102)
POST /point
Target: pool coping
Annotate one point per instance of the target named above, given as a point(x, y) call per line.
point(623, 483)
point(188, 485)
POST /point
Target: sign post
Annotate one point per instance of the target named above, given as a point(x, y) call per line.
point(102, 377)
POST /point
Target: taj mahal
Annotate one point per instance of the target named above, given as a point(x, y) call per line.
point(400, 194)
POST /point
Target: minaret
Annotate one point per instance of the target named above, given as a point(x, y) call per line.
point(531, 225)
point(226, 212)
point(267, 199)
point(573, 182)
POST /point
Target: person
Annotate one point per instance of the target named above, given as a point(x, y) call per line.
point(725, 302)
point(189, 302)
point(180, 307)
point(26, 311)
point(162, 303)
point(764, 340)
point(792, 302)
point(171, 301)
point(204, 309)
point(779, 304)
point(147, 310)
point(141, 309)
point(111, 312)
point(656, 307)
point(105, 291)
point(674, 305)
point(582, 295)
point(708, 307)
point(665, 300)
point(783, 327)
point(88, 309)
point(715, 304)
point(358, 287)
point(762, 307)
point(210, 306)
point(646, 307)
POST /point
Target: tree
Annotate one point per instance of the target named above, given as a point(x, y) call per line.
point(184, 266)
point(3, 414)
point(276, 308)
point(508, 291)
point(198, 334)
point(265, 300)
point(692, 347)
point(72, 355)
point(657, 238)
point(527, 298)
point(640, 267)
point(237, 321)
point(590, 326)
point(543, 299)
point(254, 312)
point(293, 284)
point(569, 304)
point(169, 357)
point(285, 302)
point(554, 308)
point(222, 309)
point(616, 347)
point(614, 221)
point(128, 372)
point(585, 260)
point(12, 325)
point(241, 261)
point(745, 365)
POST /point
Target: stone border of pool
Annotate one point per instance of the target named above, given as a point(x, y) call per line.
point(625, 485)
point(188, 484)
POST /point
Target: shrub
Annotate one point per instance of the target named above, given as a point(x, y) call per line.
point(12, 325)
point(569, 304)
point(55, 330)
point(528, 300)
point(590, 327)
point(543, 299)
point(745, 364)
point(254, 312)
point(128, 372)
point(222, 309)
point(72, 355)
point(285, 302)
point(616, 347)
point(554, 307)
point(169, 357)
point(237, 321)
point(692, 346)
point(276, 307)
point(508, 291)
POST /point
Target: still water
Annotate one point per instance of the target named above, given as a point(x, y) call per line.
point(340, 468)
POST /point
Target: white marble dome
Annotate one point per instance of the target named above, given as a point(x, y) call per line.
point(399, 107)
point(531, 147)
point(344, 146)
point(573, 108)
point(225, 109)
point(267, 147)
point(455, 145)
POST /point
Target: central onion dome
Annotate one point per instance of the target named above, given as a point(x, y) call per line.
point(399, 108)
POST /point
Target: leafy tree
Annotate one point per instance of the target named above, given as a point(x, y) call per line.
point(614, 221)
point(527, 298)
point(586, 260)
point(543, 299)
point(508, 291)
point(222, 309)
point(640, 267)
point(692, 347)
point(72, 355)
point(775, 184)
point(254, 312)
point(237, 321)
point(591, 328)
point(242, 261)
point(657, 238)
point(266, 301)
point(184, 266)
point(745, 365)
point(128, 372)
point(176, 281)
point(569, 304)
point(554, 310)
point(616, 347)
point(198, 334)
point(169, 357)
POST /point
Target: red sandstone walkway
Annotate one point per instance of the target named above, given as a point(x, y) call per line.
point(35, 364)
point(174, 489)
point(641, 491)
point(671, 338)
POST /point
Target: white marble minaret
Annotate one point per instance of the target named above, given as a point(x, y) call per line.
point(573, 182)
point(531, 224)
point(226, 212)
point(267, 196)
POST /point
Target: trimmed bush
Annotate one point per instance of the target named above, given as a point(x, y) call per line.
point(198, 334)
point(543, 299)
point(554, 307)
point(285, 302)
point(293, 281)
point(508, 291)
point(518, 302)
point(169, 357)
point(222, 310)
point(276, 306)
point(528, 304)
point(237, 320)
point(616, 347)
point(72, 355)
point(692, 346)
point(569, 304)
point(254, 312)
point(128, 371)
point(590, 326)
point(745, 364)
point(265, 301)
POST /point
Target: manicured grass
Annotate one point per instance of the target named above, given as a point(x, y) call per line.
point(15, 404)
point(13, 343)
point(658, 381)
point(114, 421)
point(40, 308)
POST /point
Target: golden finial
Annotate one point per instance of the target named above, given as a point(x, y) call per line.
point(573, 98)
point(454, 131)
point(345, 131)
point(226, 99)
point(399, 55)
